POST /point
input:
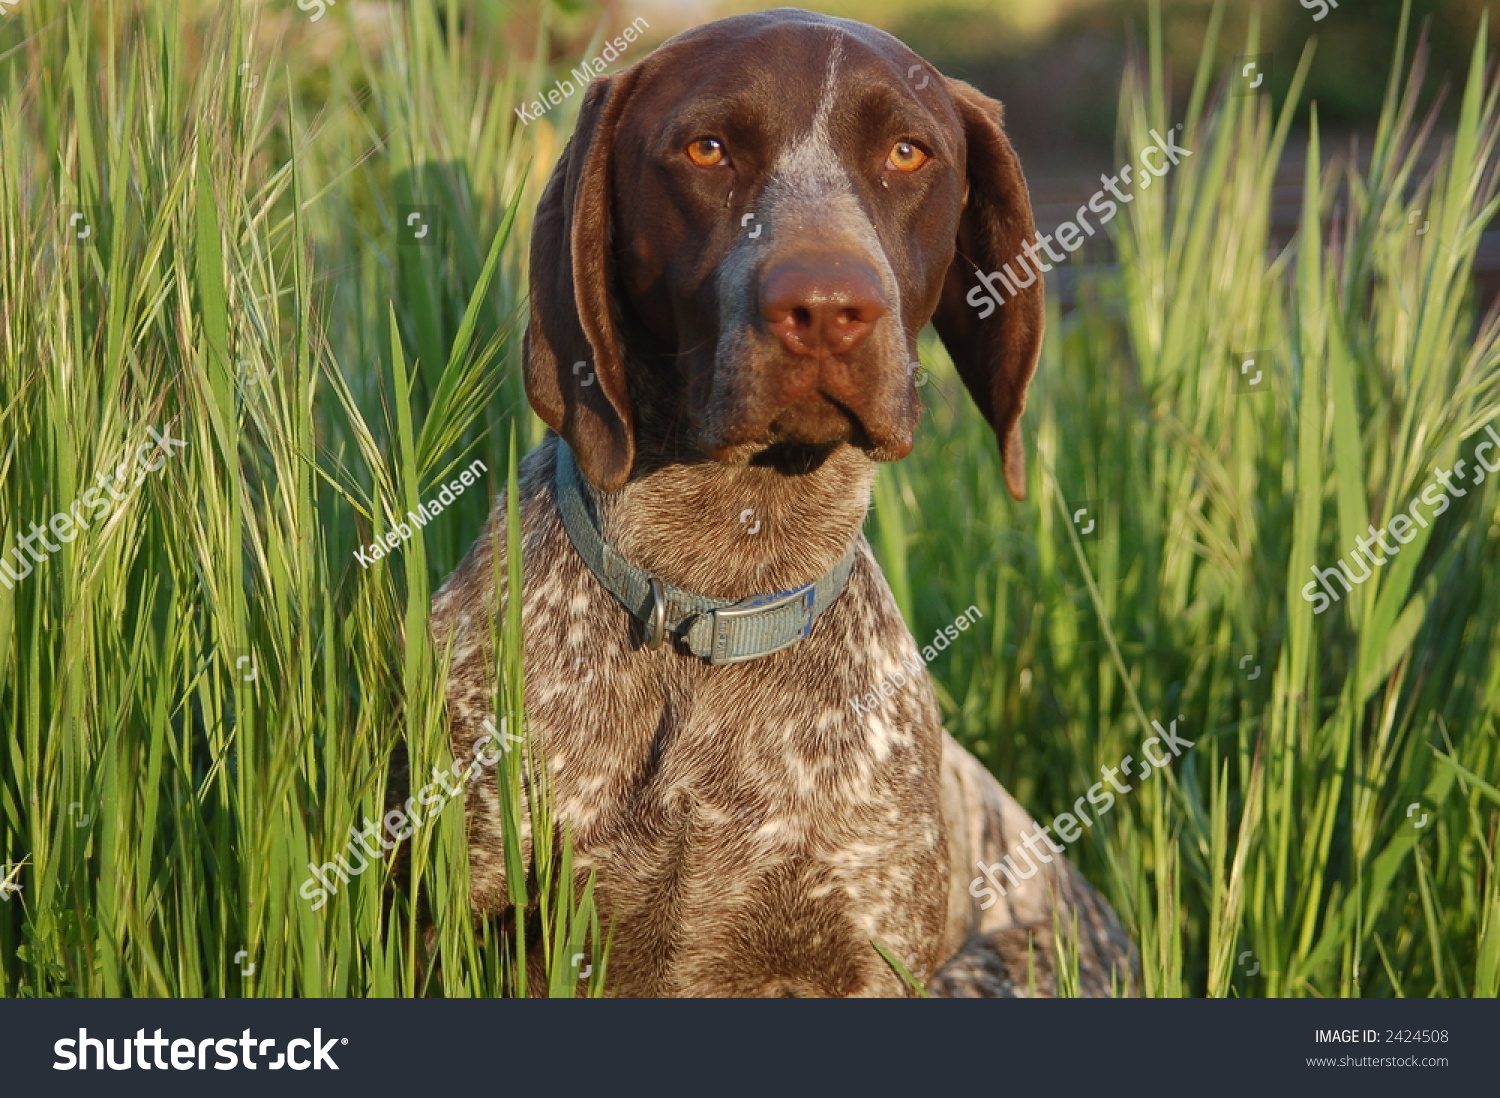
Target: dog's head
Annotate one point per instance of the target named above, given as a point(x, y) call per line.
point(760, 217)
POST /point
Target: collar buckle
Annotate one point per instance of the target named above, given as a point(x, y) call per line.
point(762, 624)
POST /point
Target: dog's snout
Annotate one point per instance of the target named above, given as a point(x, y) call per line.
point(819, 307)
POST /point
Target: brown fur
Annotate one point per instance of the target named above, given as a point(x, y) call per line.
point(752, 832)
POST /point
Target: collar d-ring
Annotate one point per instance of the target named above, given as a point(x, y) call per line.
point(656, 628)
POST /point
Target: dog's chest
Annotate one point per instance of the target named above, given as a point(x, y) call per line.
point(743, 810)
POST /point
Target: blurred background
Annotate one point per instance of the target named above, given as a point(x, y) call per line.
point(1056, 64)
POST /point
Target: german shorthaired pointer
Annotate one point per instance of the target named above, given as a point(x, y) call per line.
point(729, 270)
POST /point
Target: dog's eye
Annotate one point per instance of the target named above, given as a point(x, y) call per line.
point(905, 157)
point(706, 152)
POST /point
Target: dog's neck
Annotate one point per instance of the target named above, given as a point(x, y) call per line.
point(736, 531)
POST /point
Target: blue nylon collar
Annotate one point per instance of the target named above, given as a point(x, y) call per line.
point(718, 630)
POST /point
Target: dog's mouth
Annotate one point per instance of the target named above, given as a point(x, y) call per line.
point(794, 459)
point(819, 420)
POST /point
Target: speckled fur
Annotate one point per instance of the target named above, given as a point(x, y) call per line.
point(752, 833)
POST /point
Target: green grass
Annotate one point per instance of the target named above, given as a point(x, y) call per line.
point(244, 280)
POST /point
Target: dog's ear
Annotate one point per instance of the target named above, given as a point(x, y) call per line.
point(994, 347)
point(575, 368)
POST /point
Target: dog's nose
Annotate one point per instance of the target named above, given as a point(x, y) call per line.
point(820, 307)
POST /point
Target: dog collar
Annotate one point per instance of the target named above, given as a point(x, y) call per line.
point(718, 630)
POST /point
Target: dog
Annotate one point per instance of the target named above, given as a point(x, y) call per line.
point(730, 266)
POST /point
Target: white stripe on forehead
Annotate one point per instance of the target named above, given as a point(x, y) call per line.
point(825, 96)
point(812, 157)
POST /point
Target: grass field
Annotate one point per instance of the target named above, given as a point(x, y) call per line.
point(202, 688)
